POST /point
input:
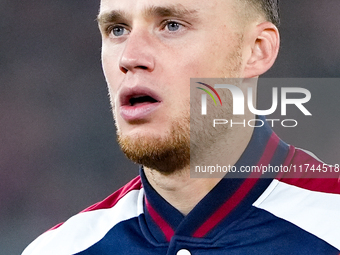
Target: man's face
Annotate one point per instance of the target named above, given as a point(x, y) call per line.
point(151, 49)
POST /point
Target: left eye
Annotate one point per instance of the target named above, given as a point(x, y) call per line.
point(173, 26)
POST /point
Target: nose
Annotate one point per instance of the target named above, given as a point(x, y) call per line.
point(138, 53)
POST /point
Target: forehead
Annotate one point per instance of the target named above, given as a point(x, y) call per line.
point(139, 5)
point(208, 8)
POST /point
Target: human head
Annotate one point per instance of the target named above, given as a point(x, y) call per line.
point(151, 49)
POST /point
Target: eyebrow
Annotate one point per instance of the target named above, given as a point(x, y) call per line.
point(111, 17)
point(176, 11)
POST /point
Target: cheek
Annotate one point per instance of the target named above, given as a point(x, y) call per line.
point(109, 64)
point(110, 56)
point(198, 62)
point(213, 59)
point(112, 73)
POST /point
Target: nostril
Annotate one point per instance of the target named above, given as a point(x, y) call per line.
point(123, 69)
point(142, 67)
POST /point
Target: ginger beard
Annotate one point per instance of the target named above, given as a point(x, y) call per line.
point(164, 154)
point(171, 152)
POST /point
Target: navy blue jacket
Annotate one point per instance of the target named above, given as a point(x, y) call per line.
point(238, 217)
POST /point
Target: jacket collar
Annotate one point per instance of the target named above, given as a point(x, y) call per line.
point(226, 203)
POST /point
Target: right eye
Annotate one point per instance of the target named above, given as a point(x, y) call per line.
point(117, 31)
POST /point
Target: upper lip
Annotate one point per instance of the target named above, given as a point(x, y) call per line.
point(133, 92)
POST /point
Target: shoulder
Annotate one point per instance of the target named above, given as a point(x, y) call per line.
point(307, 200)
point(90, 225)
point(308, 172)
point(113, 199)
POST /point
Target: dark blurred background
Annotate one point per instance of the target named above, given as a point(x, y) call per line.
point(58, 153)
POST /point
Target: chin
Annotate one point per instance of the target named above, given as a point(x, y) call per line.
point(165, 153)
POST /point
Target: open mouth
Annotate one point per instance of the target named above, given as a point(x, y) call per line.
point(137, 104)
point(138, 96)
point(141, 100)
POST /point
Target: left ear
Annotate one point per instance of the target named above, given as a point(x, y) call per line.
point(265, 43)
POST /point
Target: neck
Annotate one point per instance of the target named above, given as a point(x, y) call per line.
point(178, 189)
point(183, 192)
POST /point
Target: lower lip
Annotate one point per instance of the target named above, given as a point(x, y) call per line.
point(139, 112)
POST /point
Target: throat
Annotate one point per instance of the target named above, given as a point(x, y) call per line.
point(179, 190)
